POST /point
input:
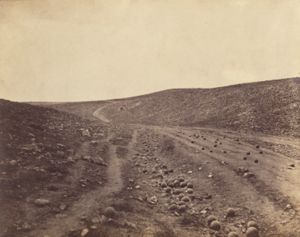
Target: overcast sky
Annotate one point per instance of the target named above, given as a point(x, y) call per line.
point(68, 50)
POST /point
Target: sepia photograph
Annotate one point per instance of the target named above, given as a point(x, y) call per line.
point(149, 118)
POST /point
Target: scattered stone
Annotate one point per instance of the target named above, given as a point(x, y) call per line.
point(95, 220)
point(249, 175)
point(130, 225)
point(84, 232)
point(87, 158)
point(60, 153)
point(25, 226)
point(288, 207)
point(99, 161)
point(70, 159)
point(170, 171)
point(208, 196)
point(210, 175)
point(94, 142)
point(59, 145)
point(242, 170)
point(85, 133)
point(62, 207)
point(256, 161)
point(13, 162)
point(204, 211)
point(41, 202)
point(153, 200)
point(190, 172)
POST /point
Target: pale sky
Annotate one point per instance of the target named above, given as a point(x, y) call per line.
point(72, 50)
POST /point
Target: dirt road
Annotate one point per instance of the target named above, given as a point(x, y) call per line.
point(98, 114)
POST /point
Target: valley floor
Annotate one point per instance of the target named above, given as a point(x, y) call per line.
point(166, 181)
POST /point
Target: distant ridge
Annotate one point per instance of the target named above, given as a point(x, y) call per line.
point(271, 107)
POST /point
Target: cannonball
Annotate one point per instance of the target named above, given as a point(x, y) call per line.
point(186, 199)
point(210, 219)
point(232, 234)
point(110, 212)
point(252, 232)
point(215, 225)
point(230, 212)
point(252, 224)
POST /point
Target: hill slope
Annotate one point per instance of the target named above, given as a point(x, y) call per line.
point(270, 107)
point(39, 150)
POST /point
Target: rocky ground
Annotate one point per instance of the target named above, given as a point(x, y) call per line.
point(62, 175)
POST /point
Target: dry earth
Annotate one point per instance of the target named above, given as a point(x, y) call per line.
point(84, 171)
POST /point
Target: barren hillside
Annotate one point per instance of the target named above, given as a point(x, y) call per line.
point(270, 107)
point(82, 109)
point(39, 149)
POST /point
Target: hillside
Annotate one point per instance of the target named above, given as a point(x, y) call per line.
point(39, 149)
point(271, 107)
point(82, 109)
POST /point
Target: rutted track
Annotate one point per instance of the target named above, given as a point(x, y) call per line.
point(223, 153)
point(90, 202)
